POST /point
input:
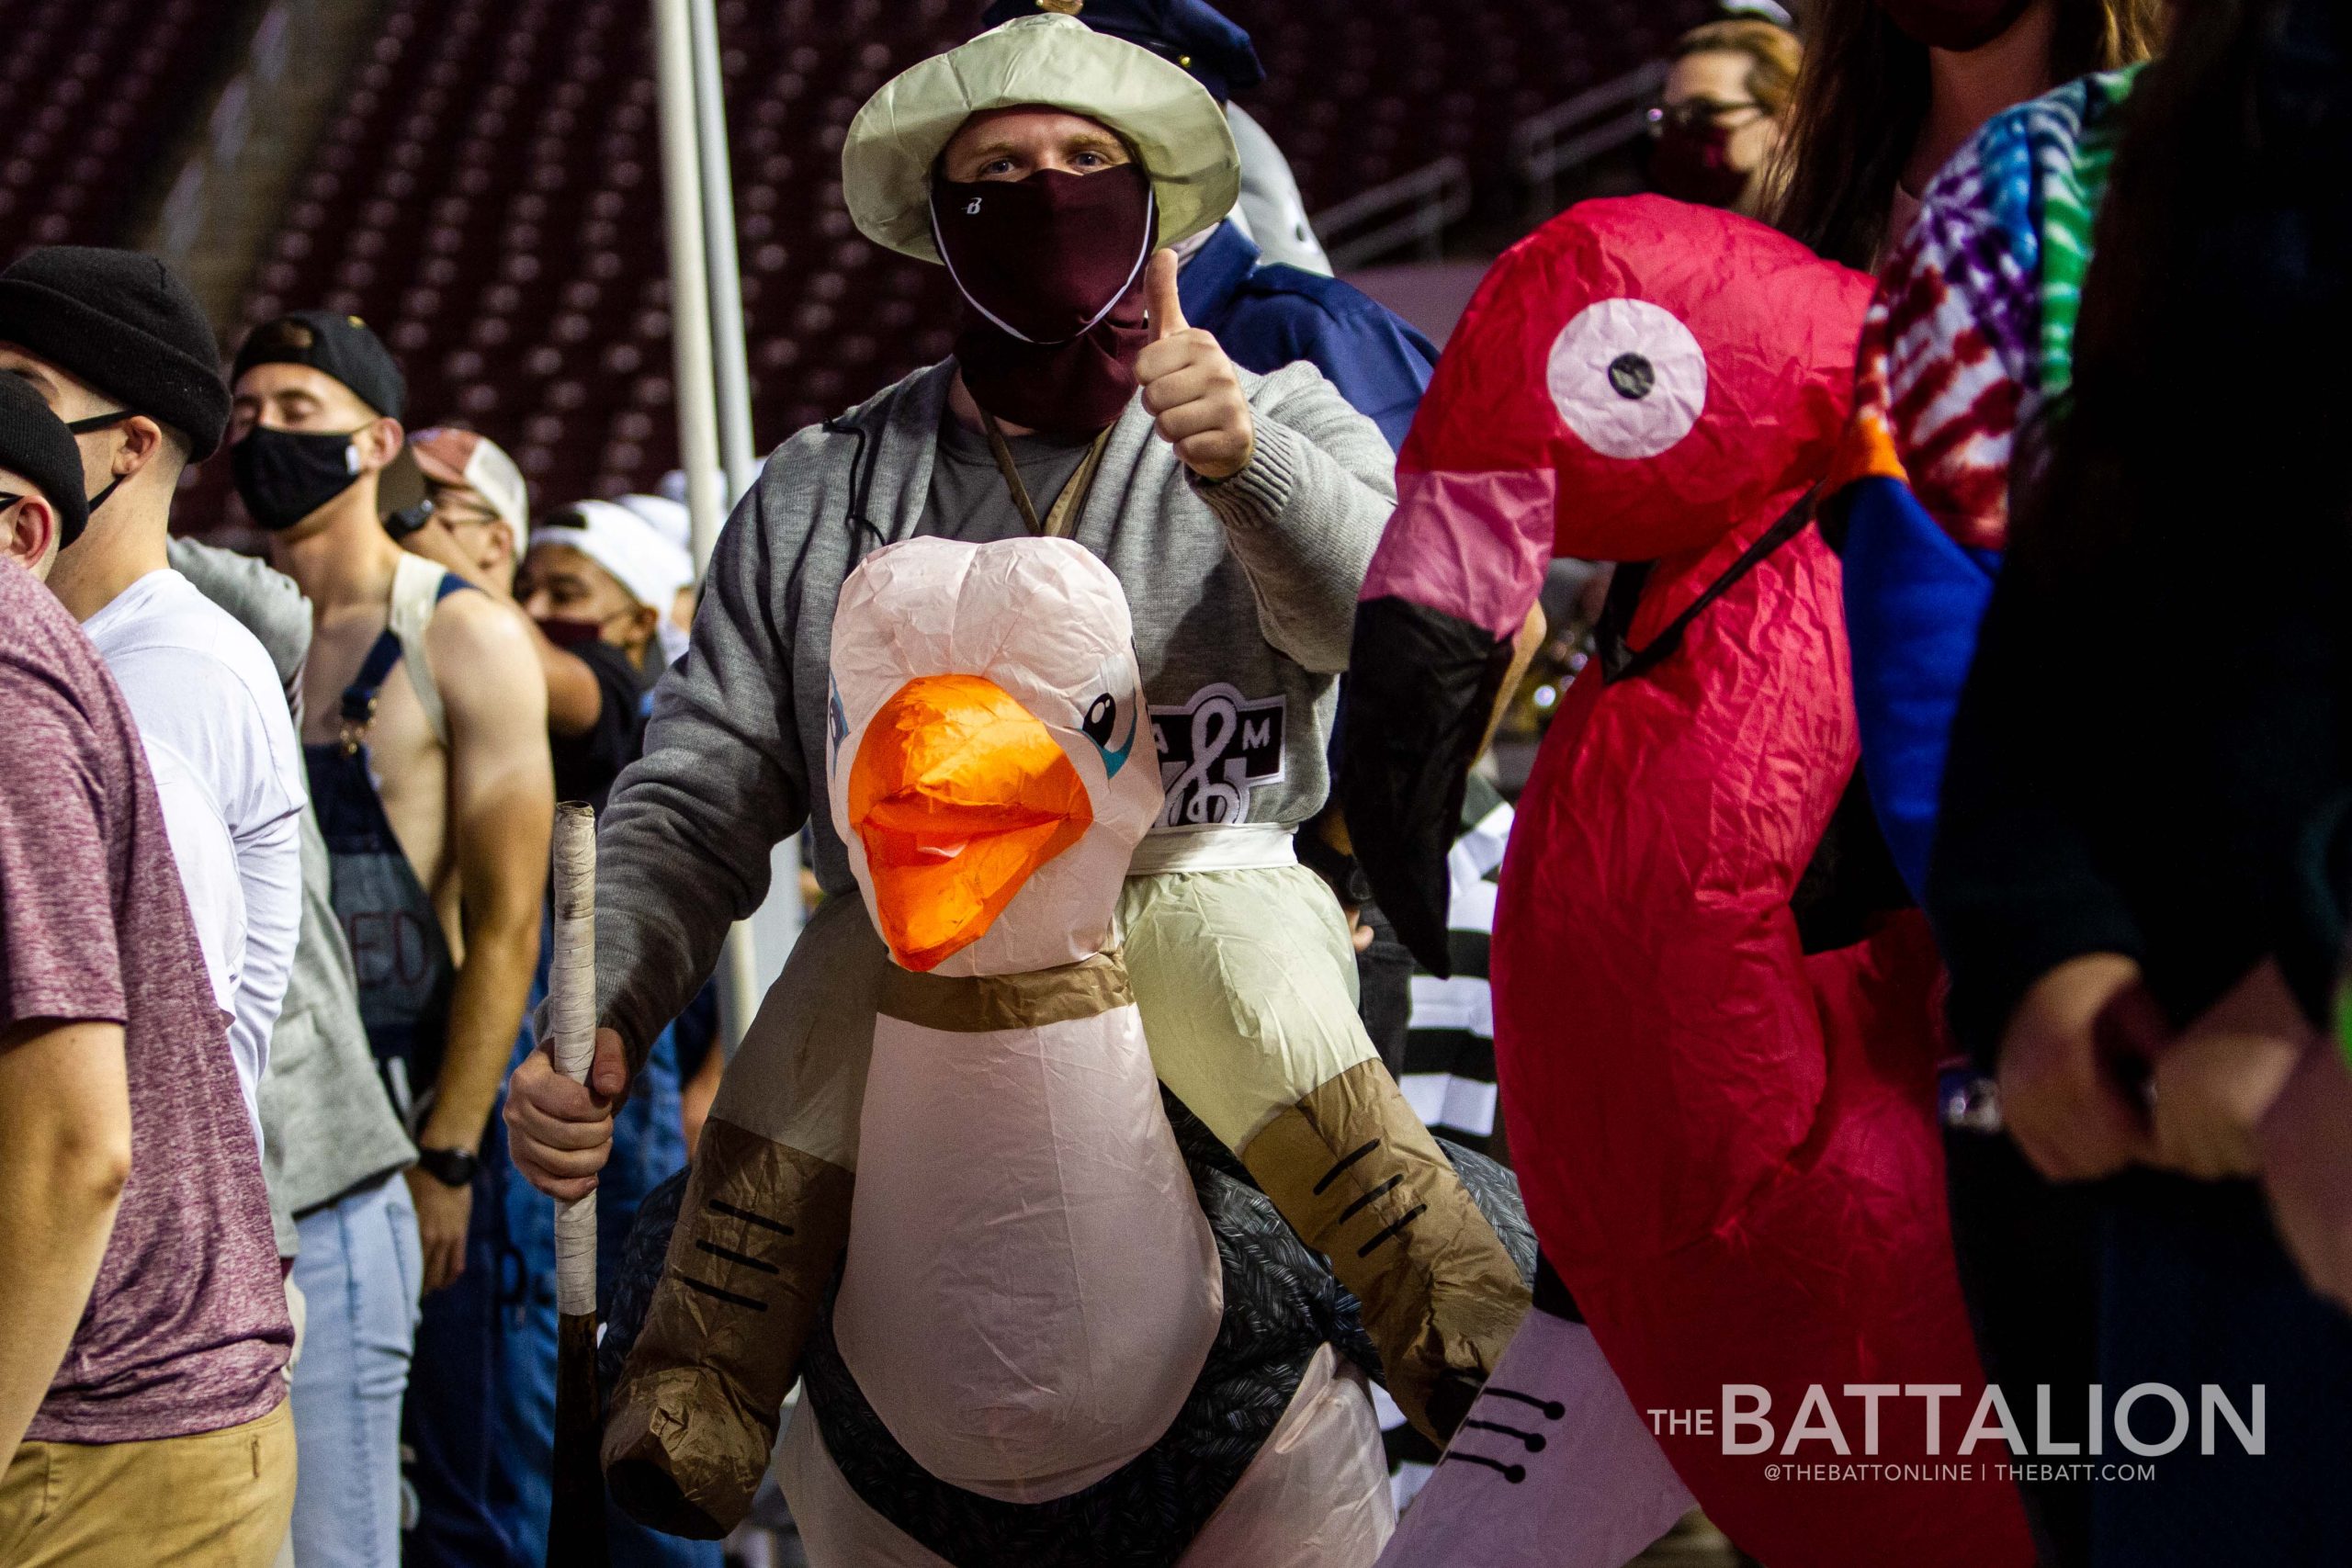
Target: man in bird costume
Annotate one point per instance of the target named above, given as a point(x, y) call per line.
point(1716, 1053)
point(1038, 1329)
point(1049, 167)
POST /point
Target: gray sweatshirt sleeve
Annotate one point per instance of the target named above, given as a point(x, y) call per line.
point(264, 601)
point(1306, 514)
point(683, 850)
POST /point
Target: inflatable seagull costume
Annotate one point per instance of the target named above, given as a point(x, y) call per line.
point(1243, 593)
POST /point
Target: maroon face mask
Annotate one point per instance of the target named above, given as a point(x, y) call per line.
point(1956, 24)
point(569, 634)
point(1695, 167)
point(1051, 271)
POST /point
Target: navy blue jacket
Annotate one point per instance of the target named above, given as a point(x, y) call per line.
point(1267, 315)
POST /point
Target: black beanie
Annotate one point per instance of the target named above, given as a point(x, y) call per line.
point(341, 346)
point(125, 324)
point(34, 442)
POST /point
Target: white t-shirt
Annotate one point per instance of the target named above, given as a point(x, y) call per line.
point(229, 770)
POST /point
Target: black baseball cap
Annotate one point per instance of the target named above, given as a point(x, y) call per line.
point(336, 345)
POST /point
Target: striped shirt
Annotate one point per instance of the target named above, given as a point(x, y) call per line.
point(1449, 1077)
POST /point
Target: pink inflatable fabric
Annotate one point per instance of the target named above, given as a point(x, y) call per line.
point(1728, 1145)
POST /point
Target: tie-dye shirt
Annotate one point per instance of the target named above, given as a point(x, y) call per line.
point(1973, 324)
point(1971, 329)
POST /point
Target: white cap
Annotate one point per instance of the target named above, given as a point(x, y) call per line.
point(621, 541)
point(666, 517)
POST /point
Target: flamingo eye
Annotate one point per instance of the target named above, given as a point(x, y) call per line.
point(1628, 377)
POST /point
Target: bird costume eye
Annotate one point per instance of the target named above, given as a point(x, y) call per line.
point(1628, 377)
point(1110, 721)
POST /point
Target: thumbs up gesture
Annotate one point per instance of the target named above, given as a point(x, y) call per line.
point(1192, 390)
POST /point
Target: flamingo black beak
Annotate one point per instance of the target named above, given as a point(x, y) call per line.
point(1421, 684)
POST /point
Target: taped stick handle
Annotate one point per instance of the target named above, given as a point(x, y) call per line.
point(572, 1033)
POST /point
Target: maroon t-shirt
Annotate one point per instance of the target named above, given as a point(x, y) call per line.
point(187, 1330)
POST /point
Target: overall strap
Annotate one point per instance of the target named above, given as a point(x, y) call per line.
point(404, 623)
point(418, 588)
point(359, 697)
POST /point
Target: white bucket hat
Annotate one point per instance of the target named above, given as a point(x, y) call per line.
point(1176, 128)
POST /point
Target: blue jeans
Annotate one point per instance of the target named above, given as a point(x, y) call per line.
point(358, 1272)
point(482, 1414)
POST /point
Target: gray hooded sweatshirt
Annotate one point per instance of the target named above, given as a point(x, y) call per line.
point(1243, 592)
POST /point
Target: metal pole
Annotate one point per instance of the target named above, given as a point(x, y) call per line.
point(689, 271)
point(772, 931)
point(690, 335)
point(733, 367)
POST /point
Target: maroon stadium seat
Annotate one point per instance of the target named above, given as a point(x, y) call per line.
point(489, 192)
point(98, 92)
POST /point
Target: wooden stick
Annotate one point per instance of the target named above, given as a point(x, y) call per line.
point(576, 1516)
point(572, 1034)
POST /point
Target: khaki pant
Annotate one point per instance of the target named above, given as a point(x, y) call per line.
point(215, 1500)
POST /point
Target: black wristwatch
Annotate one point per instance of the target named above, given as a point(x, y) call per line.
point(450, 1168)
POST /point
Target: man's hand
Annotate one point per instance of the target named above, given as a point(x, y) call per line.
point(2306, 1142)
point(442, 1215)
point(2215, 1081)
point(2060, 1098)
point(1191, 388)
point(561, 1132)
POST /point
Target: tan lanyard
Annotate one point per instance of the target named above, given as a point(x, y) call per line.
point(1062, 520)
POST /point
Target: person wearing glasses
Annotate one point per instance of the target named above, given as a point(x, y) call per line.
point(1717, 123)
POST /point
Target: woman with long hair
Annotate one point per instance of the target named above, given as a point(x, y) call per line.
point(2136, 875)
point(1977, 265)
point(1892, 88)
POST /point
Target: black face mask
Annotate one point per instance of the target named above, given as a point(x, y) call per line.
point(283, 476)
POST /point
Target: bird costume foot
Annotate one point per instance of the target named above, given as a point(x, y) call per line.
point(694, 1417)
point(1361, 1181)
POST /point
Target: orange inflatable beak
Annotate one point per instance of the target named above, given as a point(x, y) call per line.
point(959, 795)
